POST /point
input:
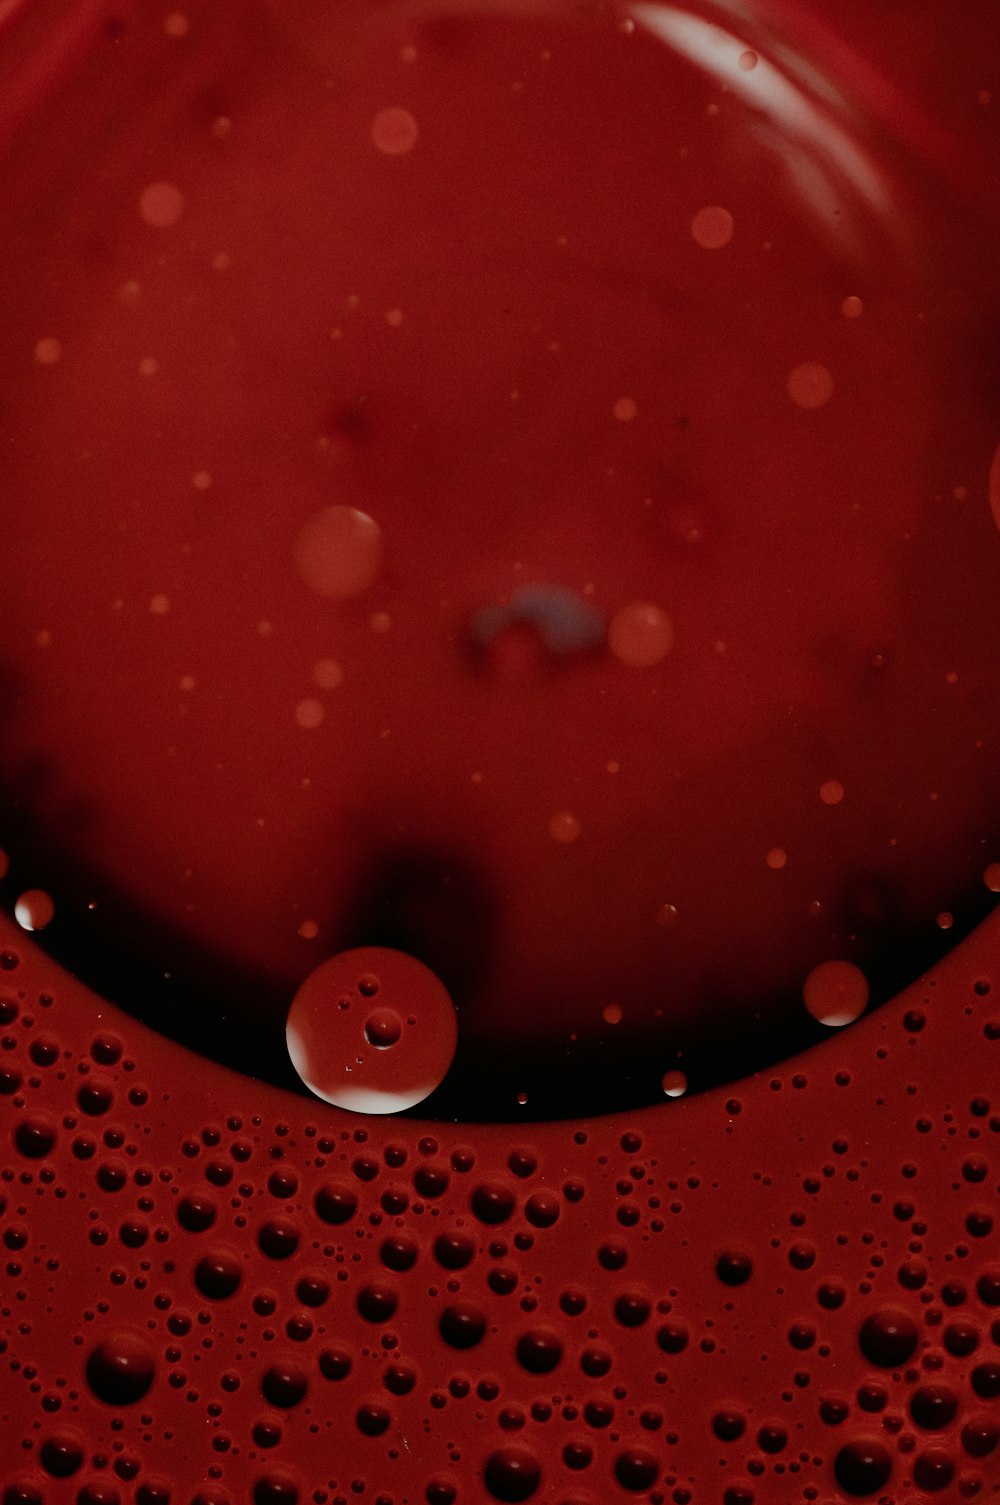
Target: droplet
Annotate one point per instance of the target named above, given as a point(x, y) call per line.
point(120, 1369)
point(34, 909)
point(862, 1467)
point(48, 351)
point(625, 409)
point(565, 827)
point(161, 205)
point(810, 385)
point(395, 1066)
point(712, 228)
point(674, 1083)
point(339, 552)
point(394, 131)
point(512, 1474)
point(836, 993)
point(640, 635)
point(888, 1338)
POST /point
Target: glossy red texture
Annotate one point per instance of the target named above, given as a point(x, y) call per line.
point(212, 1291)
point(510, 510)
point(780, 1290)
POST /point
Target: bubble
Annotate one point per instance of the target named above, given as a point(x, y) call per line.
point(309, 713)
point(335, 1363)
point(492, 1202)
point(284, 1385)
point(733, 1267)
point(336, 1203)
point(61, 1454)
point(729, 1426)
point(637, 1469)
point(218, 1275)
point(565, 827)
point(176, 24)
point(154, 1491)
point(991, 877)
point(327, 674)
point(862, 1467)
point(161, 205)
point(933, 1407)
point(512, 1474)
point(462, 1325)
point(980, 1436)
point(339, 553)
point(383, 1028)
point(34, 909)
point(810, 385)
point(377, 1302)
point(278, 1238)
point(625, 409)
point(539, 1350)
point(835, 993)
point(395, 1066)
point(933, 1469)
point(831, 792)
point(776, 859)
point(394, 131)
point(48, 351)
point(712, 227)
point(674, 1083)
point(852, 307)
point(196, 1213)
point(35, 1136)
point(640, 635)
point(121, 1368)
point(888, 1338)
point(278, 1488)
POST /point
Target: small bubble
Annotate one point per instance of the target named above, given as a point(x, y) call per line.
point(862, 1467)
point(394, 131)
point(327, 674)
point(625, 409)
point(776, 859)
point(836, 993)
point(34, 909)
point(888, 1338)
point(991, 877)
point(512, 1475)
point(747, 61)
point(48, 351)
point(339, 552)
point(810, 385)
point(612, 1013)
point(161, 205)
point(565, 827)
point(712, 228)
point(852, 307)
point(309, 713)
point(674, 1083)
point(831, 792)
point(176, 24)
point(640, 635)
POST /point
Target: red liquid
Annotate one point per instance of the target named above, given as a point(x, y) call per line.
point(463, 271)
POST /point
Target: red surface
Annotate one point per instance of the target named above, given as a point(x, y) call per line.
point(858, 1180)
point(784, 1289)
point(508, 346)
